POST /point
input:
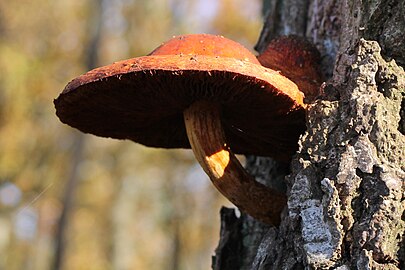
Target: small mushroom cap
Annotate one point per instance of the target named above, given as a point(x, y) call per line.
point(297, 59)
point(143, 99)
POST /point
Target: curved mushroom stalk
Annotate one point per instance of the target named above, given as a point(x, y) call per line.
point(207, 139)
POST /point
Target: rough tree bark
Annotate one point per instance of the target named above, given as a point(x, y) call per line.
point(346, 183)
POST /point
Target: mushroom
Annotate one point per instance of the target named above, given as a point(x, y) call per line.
point(200, 91)
point(297, 59)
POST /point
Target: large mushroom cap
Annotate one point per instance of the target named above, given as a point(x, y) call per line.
point(143, 99)
point(204, 44)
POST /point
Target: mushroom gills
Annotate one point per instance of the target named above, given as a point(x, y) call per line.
point(207, 139)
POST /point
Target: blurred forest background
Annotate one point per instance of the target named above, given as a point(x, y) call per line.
point(118, 205)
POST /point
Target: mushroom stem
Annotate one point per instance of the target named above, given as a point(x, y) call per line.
point(207, 139)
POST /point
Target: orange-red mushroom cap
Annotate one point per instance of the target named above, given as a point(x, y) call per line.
point(297, 59)
point(143, 99)
point(204, 44)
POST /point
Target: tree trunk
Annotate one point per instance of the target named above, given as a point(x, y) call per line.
point(345, 186)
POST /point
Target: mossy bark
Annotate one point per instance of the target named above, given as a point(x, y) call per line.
point(345, 185)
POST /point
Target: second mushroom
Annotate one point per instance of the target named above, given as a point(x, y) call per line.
point(200, 91)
